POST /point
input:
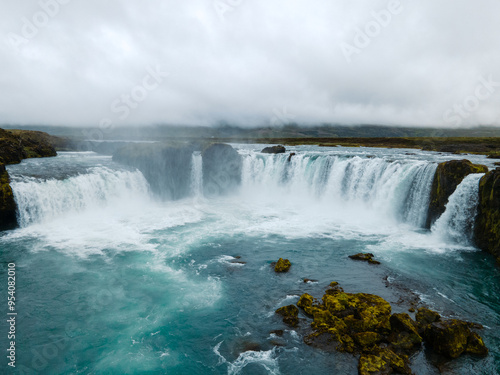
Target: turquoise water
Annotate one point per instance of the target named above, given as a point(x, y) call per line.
point(111, 280)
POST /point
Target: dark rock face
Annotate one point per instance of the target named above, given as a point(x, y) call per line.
point(487, 227)
point(448, 176)
point(221, 169)
point(16, 145)
point(8, 206)
point(274, 150)
point(167, 167)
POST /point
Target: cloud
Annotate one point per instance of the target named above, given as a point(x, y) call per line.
point(66, 62)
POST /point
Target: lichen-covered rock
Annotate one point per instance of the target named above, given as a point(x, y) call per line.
point(367, 257)
point(7, 203)
point(475, 345)
point(449, 337)
point(282, 265)
point(383, 362)
point(487, 226)
point(424, 318)
point(305, 301)
point(290, 315)
point(404, 335)
point(221, 169)
point(446, 179)
point(274, 150)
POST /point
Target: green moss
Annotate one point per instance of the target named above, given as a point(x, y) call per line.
point(475, 345)
point(305, 301)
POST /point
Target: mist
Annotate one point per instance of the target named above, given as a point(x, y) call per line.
point(250, 63)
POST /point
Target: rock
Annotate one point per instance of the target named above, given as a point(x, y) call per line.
point(8, 219)
point(487, 226)
point(448, 338)
point(274, 150)
point(475, 345)
point(383, 362)
point(166, 166)
point(308, 281)
point(446, 179)
point(425, 317)
point(290, 315)
point(277, 332)
point(367, 257)
point(16, 145)
point(404, 335)
point(290, 156)
point(305, 301)
point(283, 265)
point(221, 169)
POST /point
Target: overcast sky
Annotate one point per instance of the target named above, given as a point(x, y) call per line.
point(250, 62)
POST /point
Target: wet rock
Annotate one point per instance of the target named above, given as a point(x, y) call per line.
point(277, 332)
point(274, 150)
point(307, 281)
point(446, 179)
point(305, 301)
point(290, 315)
point(283, 265)
point(448, 338)
point(8, 205)
point(425, 317)
point(487, 226)
point(404, 335)
point(475, 345)
point(290, 156)
point(383, 362)
point(221, 169)
point(367, 257)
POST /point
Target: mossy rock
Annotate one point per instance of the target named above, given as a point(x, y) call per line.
point(425, 317)
point(367, 257)
point(448, 338)
point(476, 346)
point(8, 205)
point(290, 315)
point(446, 179)
point(367, 339)
point(282, 265)
point(487, 226)
point(305, 301)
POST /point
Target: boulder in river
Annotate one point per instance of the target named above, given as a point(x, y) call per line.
point(446, 179)
point(274, 150)
point(282, 265)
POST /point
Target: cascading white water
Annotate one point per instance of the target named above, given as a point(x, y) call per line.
point(38, 200)
point(394, 189)
point(196, 175)
point(457, 222)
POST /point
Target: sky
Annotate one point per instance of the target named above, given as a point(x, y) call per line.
point(250, 62)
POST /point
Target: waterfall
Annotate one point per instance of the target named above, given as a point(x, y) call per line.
point(39, 199)
point(395, 189)
point(197, 174)
point(457, 222)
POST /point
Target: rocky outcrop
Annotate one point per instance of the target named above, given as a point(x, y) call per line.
point(16, 145)
point(366, 257)
point(274, 150)
point(282, 265)
point(167, 167)
point(7, 203)
point(448, 176)
point(487, 227)
point(364, 324)
point(221, 169)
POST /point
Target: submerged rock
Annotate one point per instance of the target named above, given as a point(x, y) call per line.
point(487, 226)
point(222, 167)
point(367, 257)
point(8, 206)
point(290, 315)
point(274, 150)
point(446, 179)
point(282, 265)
